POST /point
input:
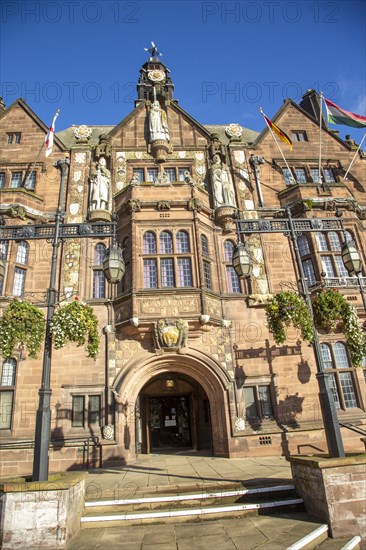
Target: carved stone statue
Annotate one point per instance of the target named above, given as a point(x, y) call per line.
point(158, 125)
point(100, 186)
point(171, 335)
point(222, 184)
point(103, 148)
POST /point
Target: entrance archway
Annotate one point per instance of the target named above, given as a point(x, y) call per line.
point(197, 377)
point(174, 414)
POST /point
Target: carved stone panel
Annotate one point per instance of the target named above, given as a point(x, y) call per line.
point(171, 306)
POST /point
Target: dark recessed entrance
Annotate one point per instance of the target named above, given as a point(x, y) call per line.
point(172, 413)
point(170, 425)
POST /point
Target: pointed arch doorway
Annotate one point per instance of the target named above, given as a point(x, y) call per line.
point(173, 415)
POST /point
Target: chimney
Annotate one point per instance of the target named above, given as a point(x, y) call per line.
point(311, 104)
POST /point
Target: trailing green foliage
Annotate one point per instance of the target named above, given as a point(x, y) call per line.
point(22, 323)
point(285, 309)
point(76, 322)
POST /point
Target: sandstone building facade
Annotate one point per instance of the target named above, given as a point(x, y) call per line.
point(186, 358)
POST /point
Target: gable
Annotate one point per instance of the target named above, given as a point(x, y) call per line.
point(184, 131)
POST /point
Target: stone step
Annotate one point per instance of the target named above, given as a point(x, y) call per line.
point(341, 544)
point(189, 499)
point(169, 514)
point(264, 532)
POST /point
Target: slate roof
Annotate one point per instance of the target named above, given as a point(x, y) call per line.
point(67, 136)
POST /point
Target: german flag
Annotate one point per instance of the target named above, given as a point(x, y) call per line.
point(280, 133)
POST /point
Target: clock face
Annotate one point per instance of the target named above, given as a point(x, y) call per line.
point(156, 75)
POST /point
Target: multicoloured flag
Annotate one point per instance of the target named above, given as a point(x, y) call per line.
point(280, 133)
point(49, 137)
point(336, 115)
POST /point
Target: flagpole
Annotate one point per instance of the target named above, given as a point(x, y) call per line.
point(320, 141)
point(279, 148)
point(40, 151)
point(34, 164)
point(353, 160)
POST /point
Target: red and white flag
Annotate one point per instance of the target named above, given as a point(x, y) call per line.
point(49, 137)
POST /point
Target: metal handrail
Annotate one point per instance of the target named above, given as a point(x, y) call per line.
point(353, 428)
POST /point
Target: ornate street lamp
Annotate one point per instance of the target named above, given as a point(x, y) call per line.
point(114, 265)
point(242, 261)
point(351, 257)
point(352, 260)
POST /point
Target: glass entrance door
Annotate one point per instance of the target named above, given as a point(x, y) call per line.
point(170, 425)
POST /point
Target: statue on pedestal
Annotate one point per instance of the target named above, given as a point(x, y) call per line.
point(100, 186)
point(158, 125)
point(222, 184)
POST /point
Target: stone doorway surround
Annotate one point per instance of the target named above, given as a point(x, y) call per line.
point(194, 364)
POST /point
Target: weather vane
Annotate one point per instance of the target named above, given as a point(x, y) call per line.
point(153, 50)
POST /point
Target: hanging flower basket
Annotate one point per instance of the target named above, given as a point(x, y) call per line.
point(330, 309)
point(24, 324)
point(285, 309)
point(77, 323)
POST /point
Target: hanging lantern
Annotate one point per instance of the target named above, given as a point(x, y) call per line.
point(114, 265)
point(351, 257)
point(242, 261)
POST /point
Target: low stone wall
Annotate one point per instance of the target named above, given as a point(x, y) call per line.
point(334, 490)
point(41, 514)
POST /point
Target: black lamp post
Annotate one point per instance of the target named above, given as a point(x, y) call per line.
point(292, 228)
point(113, 267)
point(352, 260)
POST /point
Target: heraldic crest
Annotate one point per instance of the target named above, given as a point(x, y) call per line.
point(171, 335)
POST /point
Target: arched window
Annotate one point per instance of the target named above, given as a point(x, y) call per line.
point(233, 281)
point(149, 243)
point(303, 245)
point(182, 241)
point(340, 354)
point(99, 253)
point(98, 273)
point(327, 356)
point(166, 243)
point(204, 246)
point(228, 251)
point(7, 389)
point(22, 253)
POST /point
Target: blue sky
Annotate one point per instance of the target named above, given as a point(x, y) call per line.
point(226, 58)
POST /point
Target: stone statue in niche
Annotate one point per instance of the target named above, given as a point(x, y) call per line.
point(158, 124)
point(100, 186)
point(171, 335)
point(222, 184)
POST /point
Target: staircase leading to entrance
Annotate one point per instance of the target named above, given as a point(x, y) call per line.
point(266, 508)
point(192, 506)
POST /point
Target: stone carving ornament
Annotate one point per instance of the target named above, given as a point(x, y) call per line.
point(234, 130)
point(171, 335)
point(82, 132)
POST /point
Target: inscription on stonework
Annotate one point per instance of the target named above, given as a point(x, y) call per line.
point(171, 307)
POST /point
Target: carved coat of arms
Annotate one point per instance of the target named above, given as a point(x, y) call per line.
point(171, 335)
